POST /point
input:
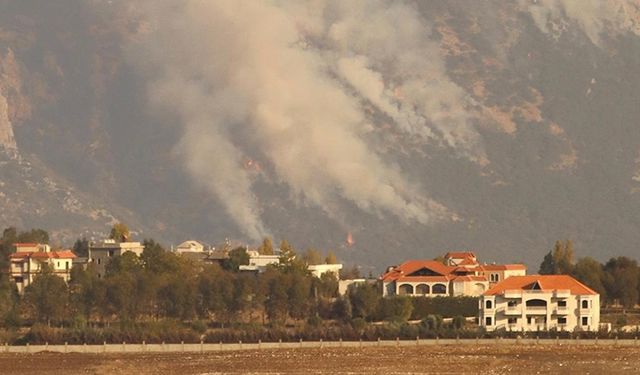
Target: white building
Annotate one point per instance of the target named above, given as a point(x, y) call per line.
point(100, 253)
point(499, 272)
point(540, 302)
point(259, 262)
point(30, 258)
point(190, 246)
point(318, 270)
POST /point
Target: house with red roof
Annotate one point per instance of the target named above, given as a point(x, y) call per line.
point(540, 302)
point(430, 278)
point(459, 274)
point(30, 259)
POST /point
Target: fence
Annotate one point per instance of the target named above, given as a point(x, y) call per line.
point(218, 347)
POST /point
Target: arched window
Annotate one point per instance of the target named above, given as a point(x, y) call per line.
point(422, 289)
point(585, 304)
point(439, 289)
point(405, 289)
point(488, 304)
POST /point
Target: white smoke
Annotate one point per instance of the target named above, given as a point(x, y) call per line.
point(293, 78)
point(593, 17)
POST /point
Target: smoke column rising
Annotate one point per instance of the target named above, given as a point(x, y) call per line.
point(295, 79)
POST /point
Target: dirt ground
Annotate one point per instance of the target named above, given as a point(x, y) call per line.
point(449, 359)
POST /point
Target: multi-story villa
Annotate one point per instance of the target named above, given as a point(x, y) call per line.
point(100, 253)
point(540, 302)
point(30, 259)
point(459, 275)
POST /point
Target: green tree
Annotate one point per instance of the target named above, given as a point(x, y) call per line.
point(8, 300)
point(289, 261)
point(396, 308)
point(559, 261)
point(237, 257)
point(119, 232)
point(276, 302)
point(589, 271)
point(81, 247)
point(47, 297)
point(621, 280)
point(87, 290)
point(34, 235)
point(364, 300)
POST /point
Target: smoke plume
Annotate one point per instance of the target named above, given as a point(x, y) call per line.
point(593, 17)
point(292, 81)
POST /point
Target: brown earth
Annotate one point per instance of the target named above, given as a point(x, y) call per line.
point(449, 359)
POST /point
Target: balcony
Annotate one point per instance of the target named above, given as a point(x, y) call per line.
point(536, 310)
point(561, 310)
point(513, 310)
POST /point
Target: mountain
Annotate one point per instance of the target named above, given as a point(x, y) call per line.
point(414, 127)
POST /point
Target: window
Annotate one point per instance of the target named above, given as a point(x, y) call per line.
point(422, 289)
point(405, 289)
point(66, 265)
point(439, 289)
point(585, 304)
point(513, 320)
point(487, 321)
point(562, 303)
point(488, 304)
point(562, 320)
point(494, 277)
point(512, 303)
point(110, 253)
point(99, 260)
point(585, 321)
point(528, 320)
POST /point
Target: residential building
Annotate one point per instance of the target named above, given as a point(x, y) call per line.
point(540, 302)
point(318, 270)
point(459, 274)
point(499, 272)
point(259, 262)
point(190, 246)
point(100, 253)
point(460, 258)
point(431, 278)
point(30, 258)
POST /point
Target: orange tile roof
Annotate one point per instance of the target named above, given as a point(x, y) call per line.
point(20, 254)
point(470, 278)
point(60, 254)
point(460, 254)
point(64, 254)
point(546, 282)
point(411, 266)
point(424, 279)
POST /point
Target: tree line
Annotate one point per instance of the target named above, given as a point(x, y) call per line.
point(617, 280)
point(161, 286)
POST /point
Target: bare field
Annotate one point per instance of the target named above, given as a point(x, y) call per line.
point(444, 359)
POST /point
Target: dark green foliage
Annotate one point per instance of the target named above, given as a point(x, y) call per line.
point(237, 257)
point(395, 309)
point(364, 300)
point(81, 247)
point(46, 298)
point(559, 261)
